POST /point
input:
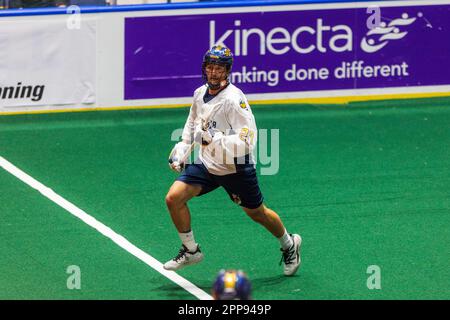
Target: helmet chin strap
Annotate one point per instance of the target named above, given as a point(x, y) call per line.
point(222, 84)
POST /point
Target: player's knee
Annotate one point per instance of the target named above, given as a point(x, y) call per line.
point(173, 200)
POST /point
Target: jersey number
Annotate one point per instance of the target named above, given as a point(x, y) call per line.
point(247, 135)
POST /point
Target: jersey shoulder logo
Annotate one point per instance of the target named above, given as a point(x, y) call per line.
point(242, 104)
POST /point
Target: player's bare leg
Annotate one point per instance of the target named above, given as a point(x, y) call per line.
point(268, 218)
point(176, 200)
point(290, 243)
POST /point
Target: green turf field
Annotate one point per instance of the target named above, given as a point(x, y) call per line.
point(364, 184)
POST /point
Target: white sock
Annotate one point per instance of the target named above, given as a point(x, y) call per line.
point(188, 240)
point(285, 240)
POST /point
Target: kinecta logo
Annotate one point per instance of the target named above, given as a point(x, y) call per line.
point(307, 39)
point(22, 92)
point(278, 41)
point(377, 38)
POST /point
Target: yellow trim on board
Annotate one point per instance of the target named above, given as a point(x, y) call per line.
point(347, 99)
point(168, 106)
point(326, 100)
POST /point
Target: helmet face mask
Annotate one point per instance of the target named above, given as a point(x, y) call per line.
point(216, 75)
point(212, 75)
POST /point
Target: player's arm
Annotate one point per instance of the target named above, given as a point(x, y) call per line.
point(189, 127)
point(243, 139)
point(181, 148)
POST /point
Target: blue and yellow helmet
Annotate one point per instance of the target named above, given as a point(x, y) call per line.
point(231, 285)
point(217, 55)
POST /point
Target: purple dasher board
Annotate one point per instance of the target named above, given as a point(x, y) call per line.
point(291, 51)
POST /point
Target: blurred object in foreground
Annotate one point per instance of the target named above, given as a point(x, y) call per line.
point(231, 285)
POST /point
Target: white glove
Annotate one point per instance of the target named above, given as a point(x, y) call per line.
point(176, 156)
point(202, 136)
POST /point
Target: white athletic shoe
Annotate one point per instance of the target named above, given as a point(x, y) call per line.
point(184, 258)
point(291, 256)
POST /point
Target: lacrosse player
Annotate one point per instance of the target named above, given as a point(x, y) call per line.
point(221, 122)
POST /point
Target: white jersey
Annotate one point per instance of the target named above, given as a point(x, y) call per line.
point(228, 113)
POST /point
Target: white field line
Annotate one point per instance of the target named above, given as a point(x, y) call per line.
point(103, 229)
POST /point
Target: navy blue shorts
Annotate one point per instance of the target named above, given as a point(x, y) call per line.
point(242, 186)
